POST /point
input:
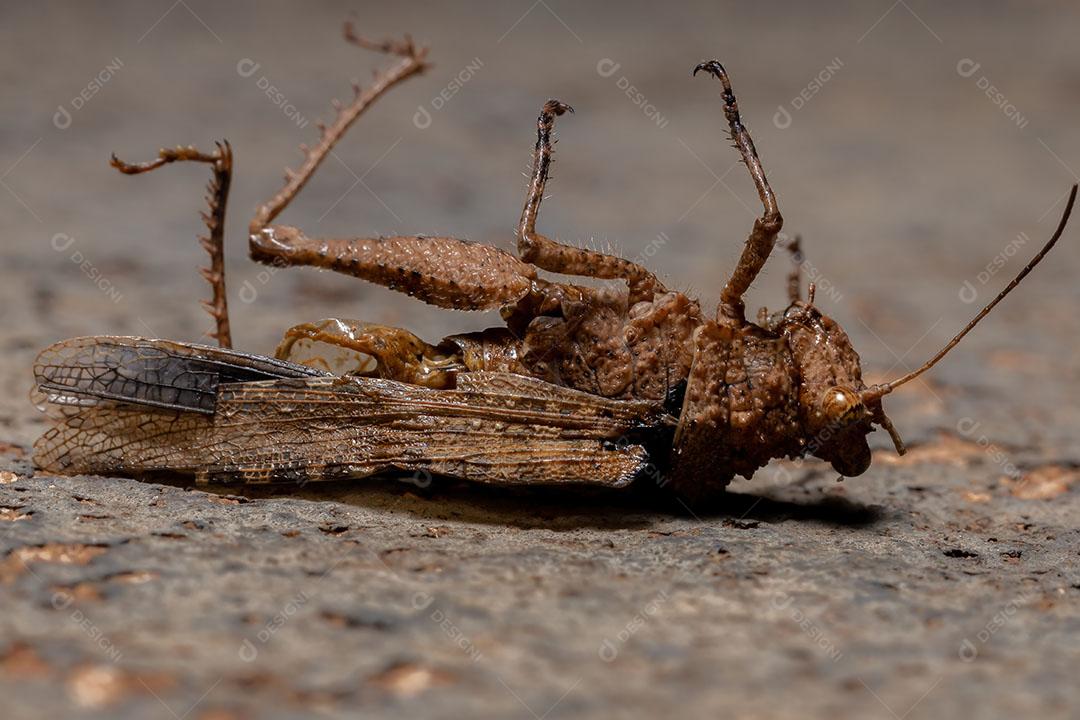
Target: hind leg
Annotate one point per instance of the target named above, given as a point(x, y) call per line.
point(412, 62)
point(214, 242)
point(442, 271)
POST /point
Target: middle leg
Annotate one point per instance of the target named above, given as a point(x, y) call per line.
point(550, 255)
point(767, 227)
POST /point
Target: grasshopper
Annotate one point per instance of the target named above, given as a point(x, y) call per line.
point(583, 384)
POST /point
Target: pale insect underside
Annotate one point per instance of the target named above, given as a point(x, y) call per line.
point(134, 406)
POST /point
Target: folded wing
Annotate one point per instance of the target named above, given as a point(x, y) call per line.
point(132, 406)
point(155, 373)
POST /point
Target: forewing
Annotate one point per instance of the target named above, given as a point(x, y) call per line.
point(157, 373)
point(111, 438)
point(495, 427)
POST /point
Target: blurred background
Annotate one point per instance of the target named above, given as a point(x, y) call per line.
point(909, 143)
point(922, 150)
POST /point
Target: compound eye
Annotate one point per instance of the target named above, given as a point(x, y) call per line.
point(842, 406)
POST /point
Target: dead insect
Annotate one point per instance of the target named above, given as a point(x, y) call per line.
point(588, 385)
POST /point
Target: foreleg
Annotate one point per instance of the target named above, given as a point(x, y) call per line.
point(767, 227)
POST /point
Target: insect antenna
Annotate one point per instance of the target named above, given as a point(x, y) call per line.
point(876, 392)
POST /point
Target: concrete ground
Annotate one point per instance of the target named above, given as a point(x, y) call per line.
point(922, 151)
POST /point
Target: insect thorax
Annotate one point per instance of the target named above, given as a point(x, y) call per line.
point(754, 394)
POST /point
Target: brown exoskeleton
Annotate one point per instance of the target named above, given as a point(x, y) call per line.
point(582, 385)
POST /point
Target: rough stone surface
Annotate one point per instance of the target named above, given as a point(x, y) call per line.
point(943, 584)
